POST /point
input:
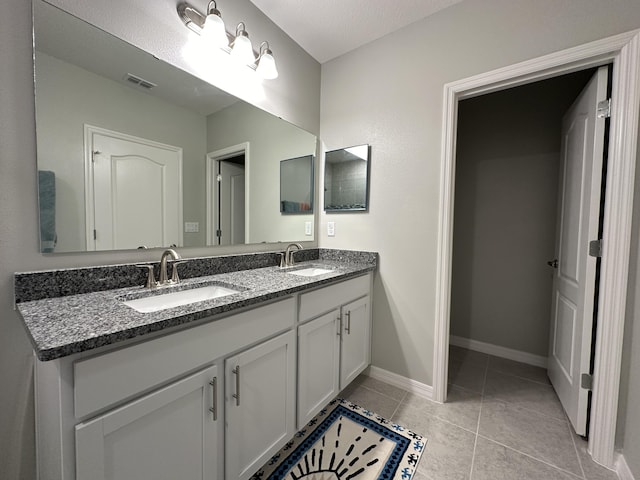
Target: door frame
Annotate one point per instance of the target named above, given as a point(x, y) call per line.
point(89, 199)
point(212, 188)
point(623, 51)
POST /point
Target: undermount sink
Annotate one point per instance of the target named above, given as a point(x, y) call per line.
point(310, 271)
point(162, 301)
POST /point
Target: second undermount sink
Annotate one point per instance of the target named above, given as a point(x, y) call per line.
point(310, 271)
point(164, 300)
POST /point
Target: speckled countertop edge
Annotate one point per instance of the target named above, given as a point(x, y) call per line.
point(71, 324)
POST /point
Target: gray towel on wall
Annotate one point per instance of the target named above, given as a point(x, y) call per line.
point(47, 202)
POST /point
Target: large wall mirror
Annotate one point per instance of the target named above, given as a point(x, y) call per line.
point(134, 152)
point(346, 179)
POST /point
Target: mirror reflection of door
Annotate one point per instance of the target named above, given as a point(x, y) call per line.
point(231, 205)
point(136, 187)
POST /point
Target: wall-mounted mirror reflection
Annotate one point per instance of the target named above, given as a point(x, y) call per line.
point(135, 152)
point(296, 185)
point(346, 179)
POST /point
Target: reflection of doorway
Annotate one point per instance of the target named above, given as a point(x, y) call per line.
point(133, 191)
point(622, 51)
point(227, 195)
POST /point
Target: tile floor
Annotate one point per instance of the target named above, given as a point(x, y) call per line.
point(502, 420)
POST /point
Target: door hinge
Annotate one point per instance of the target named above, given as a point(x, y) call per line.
point(95, 234)
point(218, 233)
point(604, 108)
point(586, 381)
point(218, 178)
point(93, 155)
point(595, 248)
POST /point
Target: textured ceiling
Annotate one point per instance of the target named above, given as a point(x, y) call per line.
point(329, 28)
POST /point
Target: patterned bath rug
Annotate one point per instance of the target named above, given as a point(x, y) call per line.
point(346, 442)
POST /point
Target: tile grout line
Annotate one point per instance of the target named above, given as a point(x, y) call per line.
point(575, 447)
point(532, 457)
point(475, 442)
point(398, 406)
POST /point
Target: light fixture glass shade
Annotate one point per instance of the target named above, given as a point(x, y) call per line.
point(242, 50)
point(267, 66)
point(214, 31)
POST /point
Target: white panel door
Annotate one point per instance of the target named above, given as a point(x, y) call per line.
point(318, 364)
point(232, 205)
point(137, 192)
point(260, 404)
point(166, 435)
point(355, 351)
point(574, 277)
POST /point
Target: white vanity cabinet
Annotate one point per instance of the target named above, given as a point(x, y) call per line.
point(260, 404)
point(334, 347)
point(210, 402)
point(168, 434)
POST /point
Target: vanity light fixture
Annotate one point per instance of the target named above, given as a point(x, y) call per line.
point(211, 27)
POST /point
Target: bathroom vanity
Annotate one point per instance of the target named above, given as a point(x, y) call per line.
point(208, 390)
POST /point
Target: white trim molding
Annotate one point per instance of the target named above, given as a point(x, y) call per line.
point(498, 351)
point(624, 52)
point(412, 386)
point(622, 469)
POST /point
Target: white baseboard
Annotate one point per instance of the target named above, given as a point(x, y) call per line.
point(412, 386)
point(499, 351)
point(622, 469)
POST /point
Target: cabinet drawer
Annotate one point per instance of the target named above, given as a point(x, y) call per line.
point(325, 299)
point(110, 378)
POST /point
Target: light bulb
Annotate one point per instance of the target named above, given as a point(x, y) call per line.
point(267, 66)
point(214, 31)
point(242, 49)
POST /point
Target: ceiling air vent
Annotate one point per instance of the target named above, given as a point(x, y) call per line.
point(141, 82)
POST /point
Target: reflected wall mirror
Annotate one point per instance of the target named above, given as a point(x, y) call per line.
point(135, 152)
point(296, 185)
point(346, 179)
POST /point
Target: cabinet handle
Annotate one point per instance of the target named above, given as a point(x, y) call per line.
point(339, 325)
point(214, 403)
point(348, 327)
point(237, 394)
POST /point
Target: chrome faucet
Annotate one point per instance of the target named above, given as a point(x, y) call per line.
point(287, 258)
point(164, 279)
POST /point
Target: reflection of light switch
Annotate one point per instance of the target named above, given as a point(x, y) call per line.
point(331, 229)
point(307, 228)
point(191, 227)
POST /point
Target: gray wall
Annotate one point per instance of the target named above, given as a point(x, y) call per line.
point(507, 162)
point(389, 93)
point(155, 27)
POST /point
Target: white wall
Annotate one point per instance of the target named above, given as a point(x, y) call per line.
point(241, 123)
point(507, 162)
point(155, 26)
point(389, 93)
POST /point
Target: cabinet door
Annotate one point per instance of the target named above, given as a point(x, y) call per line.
point(168, 434)
point(355, 351)
point(318, 364)
point(260, 404)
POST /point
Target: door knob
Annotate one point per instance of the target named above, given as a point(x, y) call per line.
point(553, 263)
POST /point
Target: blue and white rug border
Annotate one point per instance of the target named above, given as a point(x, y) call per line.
point(412, 445)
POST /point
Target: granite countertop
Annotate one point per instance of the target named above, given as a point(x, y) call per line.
point(70, 324)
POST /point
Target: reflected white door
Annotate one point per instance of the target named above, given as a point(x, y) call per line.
point(574, 278)
point(136, 187)
point(231, 213)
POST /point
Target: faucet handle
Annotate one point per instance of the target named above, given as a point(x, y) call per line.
point(283, 262)
point(151, 278)
point(174, 273)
